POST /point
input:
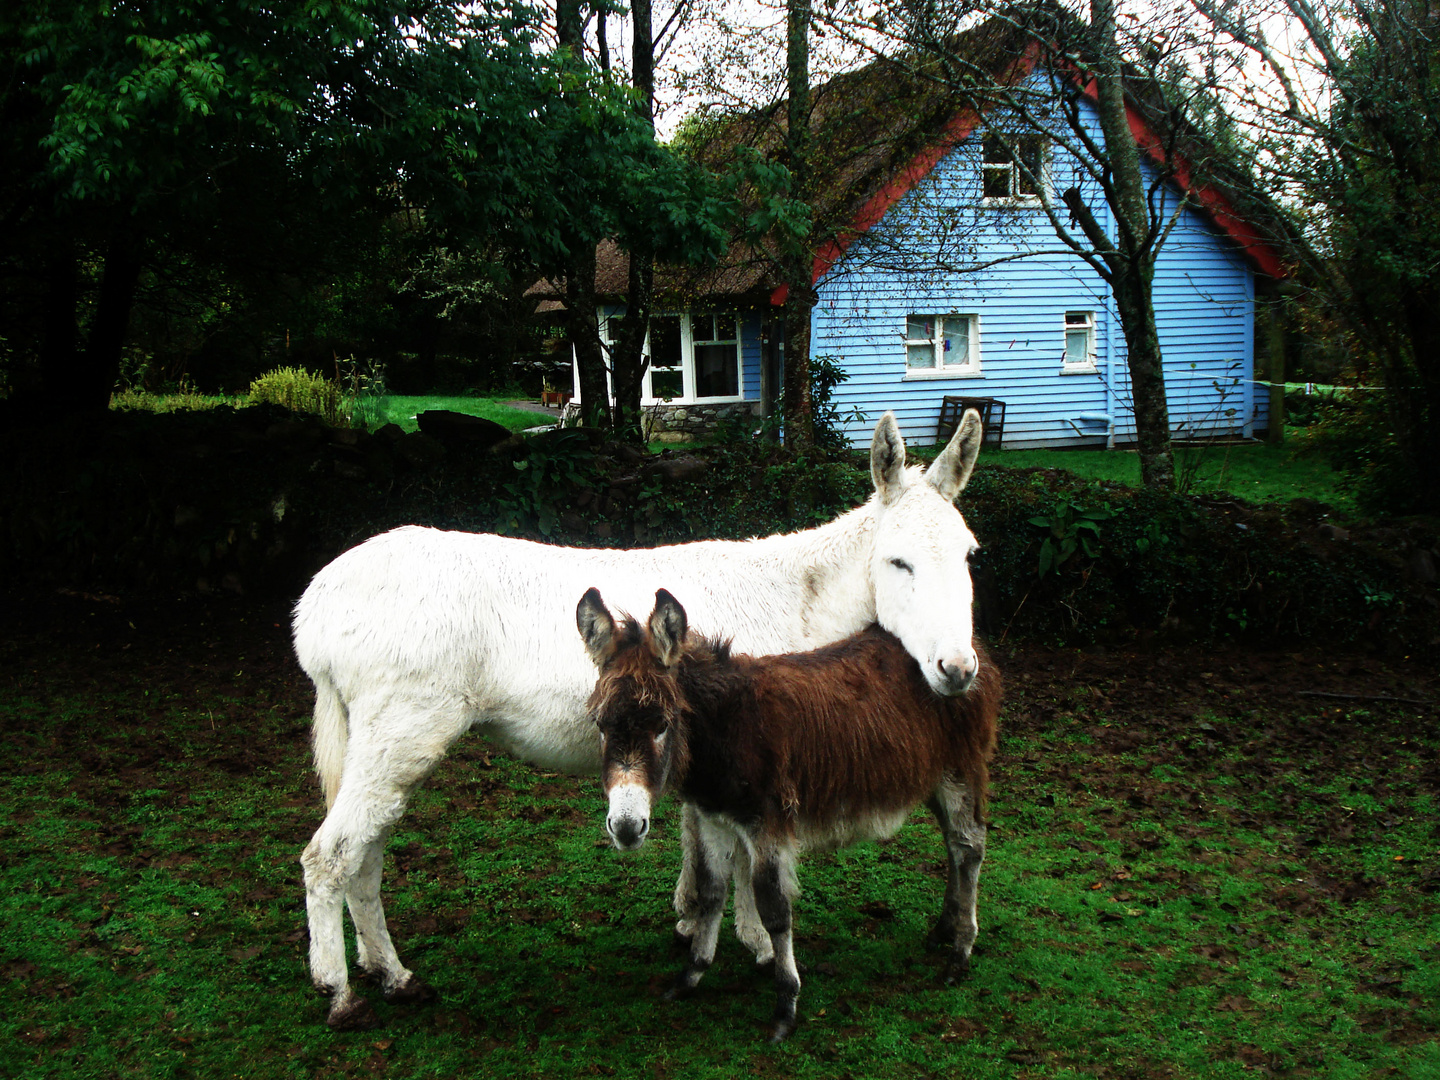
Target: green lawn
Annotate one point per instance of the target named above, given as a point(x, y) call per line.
point(1247, 884)
point(371, 412)
point(1254, 471)
point(402, 409)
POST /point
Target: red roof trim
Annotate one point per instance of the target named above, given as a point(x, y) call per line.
point(960, 128)
point(956, 131)
point(1214, 202)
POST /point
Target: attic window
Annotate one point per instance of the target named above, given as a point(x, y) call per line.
point(1013, 168)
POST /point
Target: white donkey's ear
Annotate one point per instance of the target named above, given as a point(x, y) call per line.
point(667, 628)
point(950, 472)
point(596, 626)
point(887, 460)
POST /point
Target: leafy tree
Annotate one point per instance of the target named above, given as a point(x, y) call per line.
point(264, 132)
point(1348, 127)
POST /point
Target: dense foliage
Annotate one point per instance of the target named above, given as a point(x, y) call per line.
point(255, 168)
point(258, 499)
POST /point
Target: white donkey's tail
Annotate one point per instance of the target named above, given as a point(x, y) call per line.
point(328, 738)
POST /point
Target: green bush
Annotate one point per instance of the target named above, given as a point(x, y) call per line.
point(299, 391)
point(1355, 435)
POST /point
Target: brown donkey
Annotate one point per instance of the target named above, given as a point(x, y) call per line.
point(819, 749)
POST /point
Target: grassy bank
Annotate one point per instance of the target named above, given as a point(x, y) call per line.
point(1255, 471)
point(369, 412)
point(373, 412)
point(1194, 871)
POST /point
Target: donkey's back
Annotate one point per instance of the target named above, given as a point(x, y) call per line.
point(849, 736)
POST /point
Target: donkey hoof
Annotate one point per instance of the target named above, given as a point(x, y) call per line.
point(679, 990)
point(410, 992)
point(956, 970)
point(781, 1030)
point(354, 1014)
point(940, 937)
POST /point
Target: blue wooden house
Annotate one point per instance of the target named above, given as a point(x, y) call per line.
point(947, 281)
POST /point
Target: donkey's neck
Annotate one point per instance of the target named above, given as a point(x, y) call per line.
point(815, 586)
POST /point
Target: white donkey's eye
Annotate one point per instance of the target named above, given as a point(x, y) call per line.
point(901, 564)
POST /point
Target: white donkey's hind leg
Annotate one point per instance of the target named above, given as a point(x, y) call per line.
point(344, 858)
point(375, 952)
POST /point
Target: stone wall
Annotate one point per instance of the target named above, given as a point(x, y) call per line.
point(675, 423)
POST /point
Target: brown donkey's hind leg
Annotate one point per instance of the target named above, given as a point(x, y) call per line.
point(774, 882)
point(955, 808)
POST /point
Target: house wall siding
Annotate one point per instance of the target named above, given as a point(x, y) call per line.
point(1204, 293)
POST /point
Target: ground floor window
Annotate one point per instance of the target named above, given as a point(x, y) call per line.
point(1079, 341)
point(942, 345)
point(693, 358)
point(716, 349)
point(666, 377)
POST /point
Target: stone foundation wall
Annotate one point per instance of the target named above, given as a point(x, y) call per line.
point(684, 423)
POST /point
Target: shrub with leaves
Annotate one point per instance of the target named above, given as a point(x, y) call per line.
point(1356, 434)
point(1072, 529)
point(300, 391)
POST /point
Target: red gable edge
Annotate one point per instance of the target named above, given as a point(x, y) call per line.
point(1266, 259)
point(1216, 205)
point(956, 132)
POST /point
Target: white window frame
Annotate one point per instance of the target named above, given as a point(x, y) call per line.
point(687, 352)
point(970, 369)
point(689, 377)
point(1011, 170)
point(1075, 322)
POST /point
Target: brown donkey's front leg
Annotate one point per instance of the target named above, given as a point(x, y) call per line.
point(710, 881)
point(955, 808)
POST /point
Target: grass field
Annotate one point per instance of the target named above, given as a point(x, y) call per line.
point(402, 410)
point(370, 412)
point(1254, 471)
point(1194, 871)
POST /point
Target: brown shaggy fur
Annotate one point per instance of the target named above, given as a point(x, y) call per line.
point(779, 752)
point(818, 736)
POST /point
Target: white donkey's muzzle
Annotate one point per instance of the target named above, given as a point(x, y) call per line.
point(953, 674)
point(628, 821)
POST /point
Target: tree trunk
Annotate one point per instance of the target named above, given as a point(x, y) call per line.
point(59, 347)
point(1418, 420)
point(797, 268)
point(582, 323)
point(1135, 305)
point(797, 406)
point(582, 317)
point(1275, 429)
point(81, 380)
point(1132, 259)
point(627, 358)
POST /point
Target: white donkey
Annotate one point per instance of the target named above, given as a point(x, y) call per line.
point(418, 635)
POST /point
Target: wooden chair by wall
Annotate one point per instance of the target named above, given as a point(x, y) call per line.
point(992, 417)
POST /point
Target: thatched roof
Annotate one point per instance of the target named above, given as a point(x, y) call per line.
point(877, 131)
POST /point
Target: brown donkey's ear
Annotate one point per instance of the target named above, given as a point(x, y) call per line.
point(596, 627)
point(667, 628)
